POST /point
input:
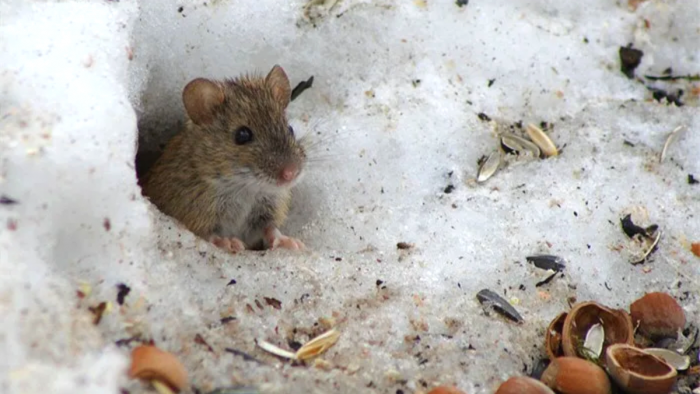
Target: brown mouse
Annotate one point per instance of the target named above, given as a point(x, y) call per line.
point(227, 176)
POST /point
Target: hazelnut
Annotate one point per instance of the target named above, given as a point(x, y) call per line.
point(523, 385)
point(553, 337)
point(446, 390)
point(658, 315)
point(158, 367)
point(616, 323)
point(572, 375)
point(638, 372)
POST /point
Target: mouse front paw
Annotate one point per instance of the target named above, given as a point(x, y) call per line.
point(232, 245)
point(275, 239)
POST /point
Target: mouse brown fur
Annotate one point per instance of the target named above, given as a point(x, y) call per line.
point(227, 176)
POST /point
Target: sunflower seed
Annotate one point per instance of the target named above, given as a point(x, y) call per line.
point(520, 146)
point(489, 166)
point(490, 299)
point(649, 250)
point(539, 137)
point(671, 137)
point(547, 262)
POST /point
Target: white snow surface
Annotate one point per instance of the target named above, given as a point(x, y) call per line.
point(398, 86)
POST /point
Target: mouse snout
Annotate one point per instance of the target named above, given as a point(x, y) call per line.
point(288, 173)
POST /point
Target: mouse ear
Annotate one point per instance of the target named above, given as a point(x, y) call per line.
point(279, 83)
point(201, 97)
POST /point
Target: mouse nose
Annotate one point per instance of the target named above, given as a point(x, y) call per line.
point(288, 173)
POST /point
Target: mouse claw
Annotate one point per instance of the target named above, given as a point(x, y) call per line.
point(276, 240)
point(288, 243)
point(232, 245)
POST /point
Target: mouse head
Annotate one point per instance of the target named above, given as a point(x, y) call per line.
point(244, 127)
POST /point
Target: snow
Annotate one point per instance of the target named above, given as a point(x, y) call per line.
point(397, 89)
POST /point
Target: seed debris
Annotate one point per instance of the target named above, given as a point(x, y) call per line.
point(671, 137)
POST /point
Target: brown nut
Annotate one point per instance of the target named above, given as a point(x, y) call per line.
point(446, 390)
point(616, 323)
point(638, 372)
point(572, 375)
point(523, 385)
point(152, 364)
point(553, 336)
point(658, 315)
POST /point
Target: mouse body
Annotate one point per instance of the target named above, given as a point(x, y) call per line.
point(228, 174)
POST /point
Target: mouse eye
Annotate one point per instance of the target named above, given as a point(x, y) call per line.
point(291, 131)
point(243, 136)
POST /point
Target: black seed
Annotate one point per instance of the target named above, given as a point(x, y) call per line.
point(462, 3)
point(630, 59)
point(692, 180)
point(122, 291)
point(404, 245)
point(4, 200)
point(449, 189)
point(483, 116)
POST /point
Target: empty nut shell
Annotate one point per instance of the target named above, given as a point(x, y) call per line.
point(571, 375)
point(150, 363)
point(523, 385)
point(616, 323)
point(446, 390)
point(638, 372)
point(658, 315)
point(553, 337)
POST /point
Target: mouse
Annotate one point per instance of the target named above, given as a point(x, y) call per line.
point(228, 174)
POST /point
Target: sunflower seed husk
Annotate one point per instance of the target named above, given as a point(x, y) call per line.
point(632, 229)
point(671, 137)
point(490, 299)
point(270, 348)
point(649, 250)
point(489, 166)
point(677, 361)
point(512, 143)
point(318, 345)
point(539, 137)
point(547, 262)
point(594, 340)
